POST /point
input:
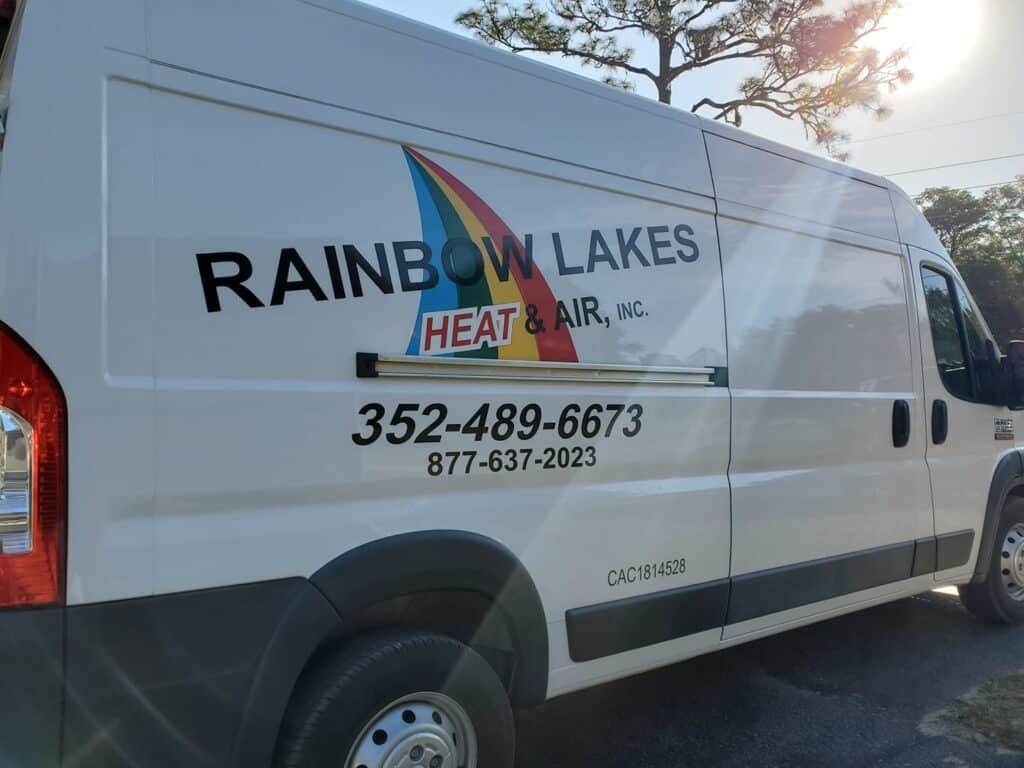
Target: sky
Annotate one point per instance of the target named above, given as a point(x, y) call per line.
point(968, 69)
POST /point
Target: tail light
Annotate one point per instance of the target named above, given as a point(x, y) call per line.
point(33, 478)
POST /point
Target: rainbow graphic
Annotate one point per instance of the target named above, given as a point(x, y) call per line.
point(449, 210)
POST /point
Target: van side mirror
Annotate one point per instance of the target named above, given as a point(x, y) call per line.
point(1013, 365)
point(993, 378)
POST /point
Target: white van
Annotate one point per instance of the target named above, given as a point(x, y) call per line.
point(359, 383)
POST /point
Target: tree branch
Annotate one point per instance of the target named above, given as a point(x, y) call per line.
point(813, 65)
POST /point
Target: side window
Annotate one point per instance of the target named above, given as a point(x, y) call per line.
point(947, 337)
point(976, 335)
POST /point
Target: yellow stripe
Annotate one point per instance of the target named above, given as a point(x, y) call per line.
point(523, 346)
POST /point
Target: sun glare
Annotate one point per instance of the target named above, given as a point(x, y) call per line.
point(938, 33)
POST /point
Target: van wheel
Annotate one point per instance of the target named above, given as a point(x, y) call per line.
point(1000, 598)
point(394, 700)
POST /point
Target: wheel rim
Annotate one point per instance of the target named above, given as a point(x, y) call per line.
point(1012, 562)
point(422, 730)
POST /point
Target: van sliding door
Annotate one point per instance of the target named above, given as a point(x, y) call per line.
point(829, 485)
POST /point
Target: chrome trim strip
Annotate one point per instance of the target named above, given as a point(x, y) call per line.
point(369, 365)
point(13, 524)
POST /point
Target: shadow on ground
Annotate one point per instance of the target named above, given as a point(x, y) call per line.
point(852, 691)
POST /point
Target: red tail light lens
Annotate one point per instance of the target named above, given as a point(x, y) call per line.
point(33, 478)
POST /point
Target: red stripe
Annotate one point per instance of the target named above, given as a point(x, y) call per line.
point(553, 345)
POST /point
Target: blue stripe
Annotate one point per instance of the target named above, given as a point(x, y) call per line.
point(443, 295)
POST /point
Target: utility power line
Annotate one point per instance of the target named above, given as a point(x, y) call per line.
point(977, 186)
point(956, 165)
point(935, 127)
point(987, 186)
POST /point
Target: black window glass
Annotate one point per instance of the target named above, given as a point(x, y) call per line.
point(946, 337)
point(976, 335)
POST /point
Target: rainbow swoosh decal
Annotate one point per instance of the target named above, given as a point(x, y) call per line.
point(450, 210)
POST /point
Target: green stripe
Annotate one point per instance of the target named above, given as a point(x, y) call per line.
point(476, 295)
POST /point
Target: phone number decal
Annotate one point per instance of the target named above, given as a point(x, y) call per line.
point(430, 423)
point(510, 460)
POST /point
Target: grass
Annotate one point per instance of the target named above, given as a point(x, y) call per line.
point(995, 712)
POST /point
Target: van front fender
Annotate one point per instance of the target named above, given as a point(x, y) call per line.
point(1008, 477)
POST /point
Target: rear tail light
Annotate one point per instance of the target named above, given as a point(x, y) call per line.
point(33, 478)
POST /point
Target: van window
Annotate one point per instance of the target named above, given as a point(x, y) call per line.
point(812, 315)
point(976, 334)
point(947, 336)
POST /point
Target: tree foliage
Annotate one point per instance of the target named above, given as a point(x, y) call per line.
point(806, 63)
point(954, 214)
point(985, 237)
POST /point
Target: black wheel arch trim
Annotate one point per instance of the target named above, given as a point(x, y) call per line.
point(1008, 476)
point(440, 560)
point(303, 626)
point(406, 564)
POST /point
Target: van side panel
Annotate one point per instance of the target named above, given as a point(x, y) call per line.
point(287, 240)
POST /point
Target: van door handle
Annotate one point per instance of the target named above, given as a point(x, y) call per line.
point(940, 422)
point(900, 423)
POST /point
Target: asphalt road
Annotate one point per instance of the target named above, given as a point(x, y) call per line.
point(851, 691)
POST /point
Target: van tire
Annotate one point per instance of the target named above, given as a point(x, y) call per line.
point(336, 702)
point(990, 600)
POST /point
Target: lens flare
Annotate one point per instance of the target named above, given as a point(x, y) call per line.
point(938, 34)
